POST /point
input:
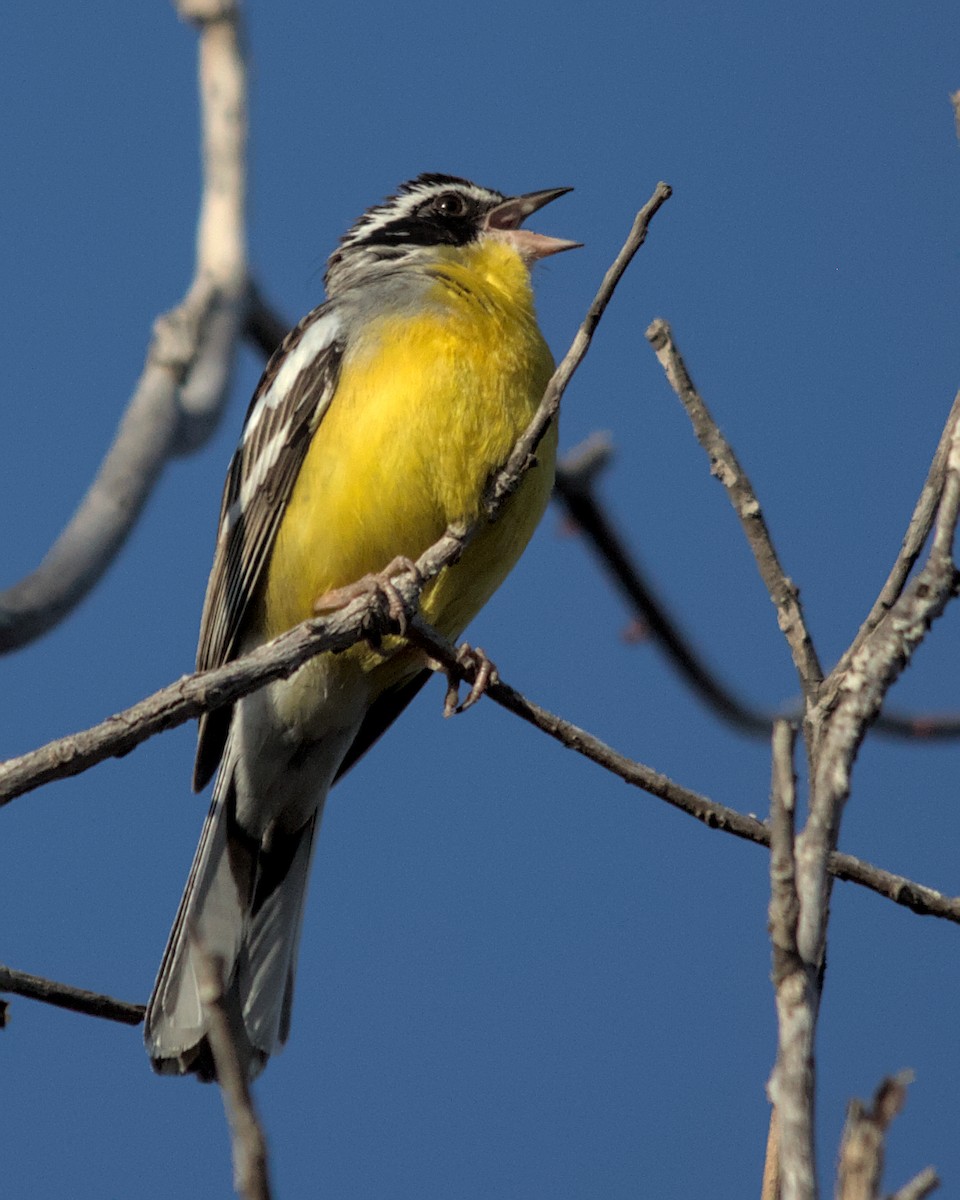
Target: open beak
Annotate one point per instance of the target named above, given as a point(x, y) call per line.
point(505, 220)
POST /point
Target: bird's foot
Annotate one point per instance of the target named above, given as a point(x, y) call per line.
point(483, 672)
point(379, 583)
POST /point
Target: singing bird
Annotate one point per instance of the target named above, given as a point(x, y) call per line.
point(376, 424)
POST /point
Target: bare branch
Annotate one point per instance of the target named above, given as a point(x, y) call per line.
point(955, 101)
point(181, 392)
point(921, 1186)
point(770, 1184)
point(791, 1086)
point(187, 698)
point(507, 480)
point(193, 694)
point(250, 1167)
point(860, 1169)
point(913, 540)
point(852, 699)
point(576, 490)
point(724, 464)
point(63, 995)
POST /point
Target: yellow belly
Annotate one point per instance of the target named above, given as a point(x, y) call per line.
point(425, 409)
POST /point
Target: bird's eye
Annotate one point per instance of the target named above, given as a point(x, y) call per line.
point(450, 204)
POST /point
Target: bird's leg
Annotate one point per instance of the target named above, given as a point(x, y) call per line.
point(379, 582)
point(476, 663)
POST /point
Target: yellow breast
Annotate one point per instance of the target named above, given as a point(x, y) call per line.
point(429, 402)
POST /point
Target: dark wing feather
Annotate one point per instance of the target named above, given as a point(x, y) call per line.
point(380, 716)
point(288, 405)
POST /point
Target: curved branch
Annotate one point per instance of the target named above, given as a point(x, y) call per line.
point(182, 390)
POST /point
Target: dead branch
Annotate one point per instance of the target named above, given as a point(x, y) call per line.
point(183, 388)
point(63, 995)
point(508, 479)
point(576, 491)
point(860, 1170)
point(923, 1184)
point(724, 465)
point(918, 530)
point(251, 1178)
point(792, 1083)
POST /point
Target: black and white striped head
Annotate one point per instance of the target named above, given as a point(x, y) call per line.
point(438, 210)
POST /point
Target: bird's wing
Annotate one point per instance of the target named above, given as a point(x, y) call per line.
point(288, 405)
point(380, 716)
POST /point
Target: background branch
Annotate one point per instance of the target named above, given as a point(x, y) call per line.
point(724, 465)
point(183, 388)
point(64, 995)
point(576, 491)
point(251, 1177)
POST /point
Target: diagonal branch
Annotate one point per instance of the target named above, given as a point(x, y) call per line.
point(576, 491)
point(854, 695)
point(508, 479)
point(918, 530)
point(724, 464)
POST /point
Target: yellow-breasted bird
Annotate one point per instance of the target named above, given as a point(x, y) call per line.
point(376, 424)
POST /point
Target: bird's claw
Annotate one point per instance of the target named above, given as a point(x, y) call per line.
point(476, 663)
point(381, 583)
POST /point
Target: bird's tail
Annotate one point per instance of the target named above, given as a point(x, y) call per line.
point(243, 905)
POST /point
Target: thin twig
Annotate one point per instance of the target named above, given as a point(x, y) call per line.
point(922, 1185)
point(856, 696)
point(724, 464)
point(188, 697)
point(576, 491)
point(251, 1177)
point(918, 898)
point(918, 530)
point(507, 480)
point(63, 995)
point(185, 699)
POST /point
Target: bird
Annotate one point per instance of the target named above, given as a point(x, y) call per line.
point(376, 425)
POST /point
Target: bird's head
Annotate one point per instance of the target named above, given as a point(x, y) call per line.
point(435, 211)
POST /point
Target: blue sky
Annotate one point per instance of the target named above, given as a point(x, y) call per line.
point(518, 976)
